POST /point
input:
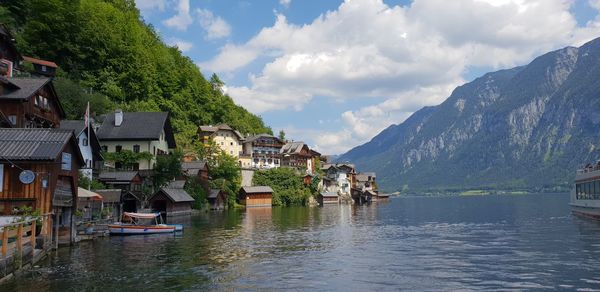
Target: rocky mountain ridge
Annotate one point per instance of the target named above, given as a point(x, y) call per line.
point(527, 127)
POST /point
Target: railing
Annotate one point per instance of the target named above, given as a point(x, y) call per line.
point(16, 235)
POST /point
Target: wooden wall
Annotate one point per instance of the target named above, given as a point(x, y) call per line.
point(259, 199)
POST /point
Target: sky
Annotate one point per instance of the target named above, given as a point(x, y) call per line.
point(335, 73)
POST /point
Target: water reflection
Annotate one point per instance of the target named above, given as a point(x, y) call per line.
point(474, 243)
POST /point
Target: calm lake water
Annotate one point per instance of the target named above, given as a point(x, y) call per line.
point(452, 243)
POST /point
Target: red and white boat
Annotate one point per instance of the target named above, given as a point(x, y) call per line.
point(585, 197)
point(120, 228)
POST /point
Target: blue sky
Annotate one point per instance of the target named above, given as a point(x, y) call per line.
point(335, 73)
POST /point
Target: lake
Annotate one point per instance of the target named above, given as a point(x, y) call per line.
point(445, 243)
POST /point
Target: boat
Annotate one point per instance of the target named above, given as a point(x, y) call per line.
point(585, 196)
point(136, 227)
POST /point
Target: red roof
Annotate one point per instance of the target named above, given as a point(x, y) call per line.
point(40, 62)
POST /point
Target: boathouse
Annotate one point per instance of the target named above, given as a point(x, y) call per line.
point(216, 199)
point(172, 200)
point(258, 196)
point(328, 198)
point(39, 168)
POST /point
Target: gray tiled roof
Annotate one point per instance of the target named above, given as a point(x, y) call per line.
point(329, 194)
point(255, 137)
point(292, 147)
point(257, 189)
point(110, 195)
point(177, 184)
point(225, 127)
point(76, 125)
point(193, 167)
point(362, 177)
point(26, 87)
point(125, 176)
point(33, 144)
point(177, 195)
point(213, 193)
point(137, 126)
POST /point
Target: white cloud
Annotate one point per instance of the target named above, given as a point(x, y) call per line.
point(413, 55)
point(147, 5)
point(214, 26)
point(184, 46)
point(182, 19)
point(594, 4)
point(285, 3)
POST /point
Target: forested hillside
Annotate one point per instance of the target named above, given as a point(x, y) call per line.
point(109, 56)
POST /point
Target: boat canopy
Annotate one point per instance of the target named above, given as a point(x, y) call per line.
point(141, 215)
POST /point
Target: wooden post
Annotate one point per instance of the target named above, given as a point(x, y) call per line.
point(4, 241)
point(33, 226)
point(20, 243)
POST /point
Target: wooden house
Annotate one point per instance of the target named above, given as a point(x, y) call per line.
point(328, 198)
point(197, 170)
point(39, 168)
point(172, 200)
point(217, 199)
point(42, 67)
point(9, 55)
point(257, 196)
point(130, 182)
point(30, 102)
point(298, 155)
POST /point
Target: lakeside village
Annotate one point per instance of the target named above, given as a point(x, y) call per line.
point(62, 181)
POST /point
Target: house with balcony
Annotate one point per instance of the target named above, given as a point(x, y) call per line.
point(225, 137)
point(339, 178)
point(30, 102)
point(297, 154)
point(137, 132)
point(264, 151)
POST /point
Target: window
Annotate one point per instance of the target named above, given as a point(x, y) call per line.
point(136, 148)
point(104, 148)
point(231, 144)
point(43, 68)
point(118, 148)
point(84, 141)
point(222, 143)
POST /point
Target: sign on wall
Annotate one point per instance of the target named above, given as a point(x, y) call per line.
point(66, 161)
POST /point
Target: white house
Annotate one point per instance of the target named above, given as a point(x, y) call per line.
point(226, 138)
point(138, 132)
point(339, 178)
point(89, 146)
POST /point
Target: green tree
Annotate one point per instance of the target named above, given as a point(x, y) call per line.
point(127, 158)
point(288, 187)
point(167, 168)
point(282, 135)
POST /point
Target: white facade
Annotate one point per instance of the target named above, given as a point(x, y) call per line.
point(86, 151)
point(154, 147)
point(228, 141)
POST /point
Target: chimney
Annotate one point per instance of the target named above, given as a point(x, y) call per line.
point(118, 117)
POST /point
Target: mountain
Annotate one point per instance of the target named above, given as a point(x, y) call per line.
point(528, 127)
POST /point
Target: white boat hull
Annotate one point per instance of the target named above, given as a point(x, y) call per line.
point(121, 229)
